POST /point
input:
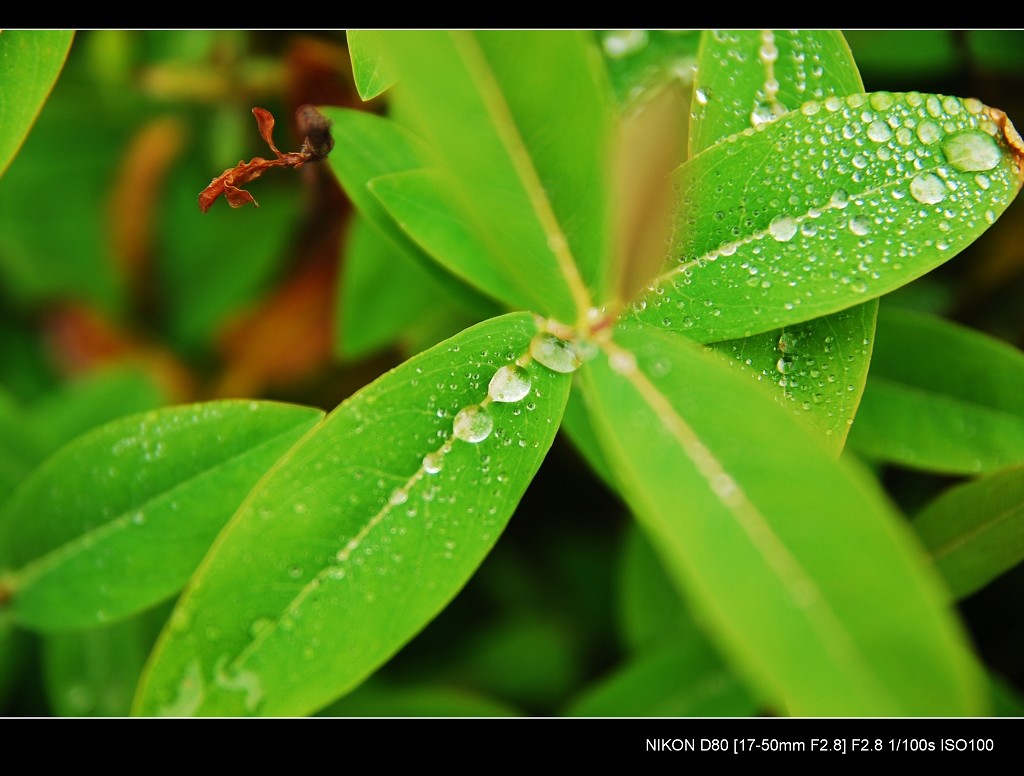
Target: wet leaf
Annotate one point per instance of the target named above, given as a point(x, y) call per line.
point(826, 207)
point(118, 519)
point(975, 531)
point(941, 397)
point(361, 534)
point(746, 78)
point(30, 61)
point(814, 590)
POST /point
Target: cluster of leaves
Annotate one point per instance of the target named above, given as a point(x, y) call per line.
point(712, 387)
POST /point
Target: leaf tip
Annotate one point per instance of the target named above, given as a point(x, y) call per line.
point(1012, 137)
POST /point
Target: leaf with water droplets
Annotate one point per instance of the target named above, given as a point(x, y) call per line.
point(746, 78)
point(527, 158)
point(361, 534)
point(809, 584)
point(368, 69)
point(815, 212)
point(941, 397)
point(119, 518)
point(975, 531)
point(32, 60)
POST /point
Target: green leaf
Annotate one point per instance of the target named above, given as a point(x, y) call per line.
point(368, 69)
point(817, 369)
point(688, 680)
point(93, 673)
point(975, 531)
point(378, 699)
point(376, 147)
point(536, 195)
point(577, 426)
point(30, 61)
point(941, 397)
point(352, 544)
point(746, 78)
point(814, 589)
point(118, 519)
point(827, 207)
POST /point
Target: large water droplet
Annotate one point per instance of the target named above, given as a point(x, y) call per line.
point(702, 95)
point(787, 341)
point(473, 424)
point(860, 225)
point(928, 132)
point(433, 462)
point(782, 228)
point(509, 384)
point(879, 131)
point(554, 353)
point(928, 189)
point(972, 152)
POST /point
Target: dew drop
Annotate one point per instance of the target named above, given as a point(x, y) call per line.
point(787, 341)
point(433, 462)
point(840, 199)
point(473, 424)
point(782, 228)
point(398, 496)
point(554, 353)
point(972, 152)
point(702, 95)
point(928, 189)
point(928, 132)
point(509, 384)
point(784, 365)
point(879, 131)
point(860, 225)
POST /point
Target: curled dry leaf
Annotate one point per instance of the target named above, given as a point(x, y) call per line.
point(317, 144)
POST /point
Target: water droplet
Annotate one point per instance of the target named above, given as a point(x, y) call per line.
point(928, 132)
point(972, 152)
point(509, 384)
point(702, 95)
point(928, 189)
point(782, 228)
point(398, 496)
point(787, 341)
point(879, 131)
point(881, 100)
point(860, 225)
point(473, 424)
point(433, 462)
point(840, 199)
point(554, 353)
point(784, 365)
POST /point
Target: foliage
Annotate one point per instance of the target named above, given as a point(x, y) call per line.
point(673, 246)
